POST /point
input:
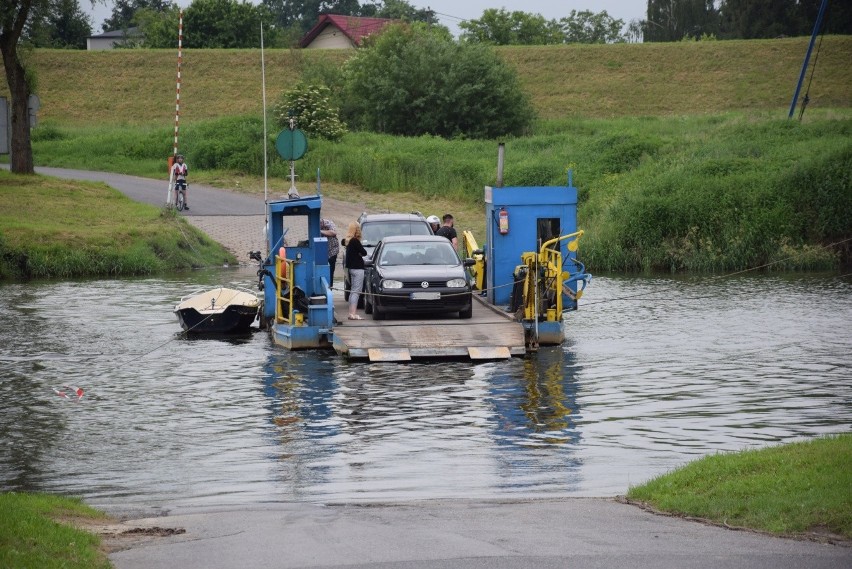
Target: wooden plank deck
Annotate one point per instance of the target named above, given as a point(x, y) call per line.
point(489, 334)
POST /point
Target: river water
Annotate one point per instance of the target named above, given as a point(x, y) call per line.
point(656, 372)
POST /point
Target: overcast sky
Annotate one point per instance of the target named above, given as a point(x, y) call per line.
point(451, 12)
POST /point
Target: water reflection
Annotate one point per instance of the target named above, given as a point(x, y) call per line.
point(656, 371)
point(536, 424)
point(393, 431)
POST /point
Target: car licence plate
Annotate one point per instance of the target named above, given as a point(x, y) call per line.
point(425, 296)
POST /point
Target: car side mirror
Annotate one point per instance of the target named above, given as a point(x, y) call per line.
point(368, 263)
point(469, 262)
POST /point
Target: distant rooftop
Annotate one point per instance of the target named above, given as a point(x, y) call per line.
point(353, 27)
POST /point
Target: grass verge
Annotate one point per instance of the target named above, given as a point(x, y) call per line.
point(52, 228)
point(35, 532)
point(800, 489)
point(685, 194)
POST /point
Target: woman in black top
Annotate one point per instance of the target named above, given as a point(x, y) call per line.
point(355, 263)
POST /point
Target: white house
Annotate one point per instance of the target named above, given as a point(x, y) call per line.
point(109, 40)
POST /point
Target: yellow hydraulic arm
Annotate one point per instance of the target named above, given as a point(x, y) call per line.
point(472, 250)
point(544, 277)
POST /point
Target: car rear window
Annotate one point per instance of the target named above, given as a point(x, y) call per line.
point(373, 232)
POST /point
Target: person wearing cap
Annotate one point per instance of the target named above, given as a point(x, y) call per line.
point(434, 223)
point(179, 172)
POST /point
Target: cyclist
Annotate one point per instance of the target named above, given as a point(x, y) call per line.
point(180, 170)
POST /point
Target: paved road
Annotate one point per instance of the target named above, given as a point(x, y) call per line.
point(204, 200)
point(582, 532)
point(233, 219)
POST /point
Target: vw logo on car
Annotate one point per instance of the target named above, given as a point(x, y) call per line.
point(424, 284)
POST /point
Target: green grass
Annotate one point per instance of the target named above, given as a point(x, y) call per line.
point(795, 489)
point(51, 228)
point(682, 152)
point(35, 533)
point(568, 81)
point(707, 193)
point(681, 78)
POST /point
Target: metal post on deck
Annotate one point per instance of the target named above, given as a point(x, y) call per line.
point(501, 150)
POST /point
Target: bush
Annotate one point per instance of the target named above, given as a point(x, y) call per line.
point(312, 108)
point(412, 80)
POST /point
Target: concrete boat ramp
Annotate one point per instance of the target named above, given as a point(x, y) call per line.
point(489, 334)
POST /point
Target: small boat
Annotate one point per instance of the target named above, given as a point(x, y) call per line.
point(218, 311)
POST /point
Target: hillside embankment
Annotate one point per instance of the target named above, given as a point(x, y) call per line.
point(592, 81)
point(683, 153)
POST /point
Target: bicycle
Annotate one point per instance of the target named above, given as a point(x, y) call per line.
point(180, 195)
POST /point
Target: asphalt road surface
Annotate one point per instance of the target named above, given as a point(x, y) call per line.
point(203, 200)
point(579, 532)
point(235, 220)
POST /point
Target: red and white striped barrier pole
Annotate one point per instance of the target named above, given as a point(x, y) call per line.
point(177, 106)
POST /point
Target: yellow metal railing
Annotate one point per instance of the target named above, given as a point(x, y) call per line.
point(284, 289)
point(543, 284)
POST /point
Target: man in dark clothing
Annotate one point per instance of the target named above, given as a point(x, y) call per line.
point(447, 230)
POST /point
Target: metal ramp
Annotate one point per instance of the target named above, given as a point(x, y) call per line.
point(488, 335)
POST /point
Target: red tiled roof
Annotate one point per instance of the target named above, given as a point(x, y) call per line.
point(353, 27)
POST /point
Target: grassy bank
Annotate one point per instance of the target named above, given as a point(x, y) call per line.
point(795, 489)
point(682, 152)
point(704, 193)
point(36, 531)
point(568, 81)
point(51, 228)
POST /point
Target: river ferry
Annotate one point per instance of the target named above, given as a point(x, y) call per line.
point(526, 277)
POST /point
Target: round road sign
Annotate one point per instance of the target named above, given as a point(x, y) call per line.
point(291, 144)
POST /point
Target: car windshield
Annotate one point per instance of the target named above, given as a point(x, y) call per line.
point(414, 253)
point(373, 232)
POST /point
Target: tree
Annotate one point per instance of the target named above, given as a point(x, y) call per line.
point(124, 12)
point(748, 19)
point(13, 17)
point(58, 24)
point(672, 20)
point(413, 79)
point(837, 18)
point(207, 24)
point(634, 31)
point(303, 14)
point(399, 10)
point(224, 24)
point(159, 29)
point(500, 27)
point(587, 27)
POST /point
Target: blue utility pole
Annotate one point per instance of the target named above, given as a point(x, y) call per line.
point(817, 27)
